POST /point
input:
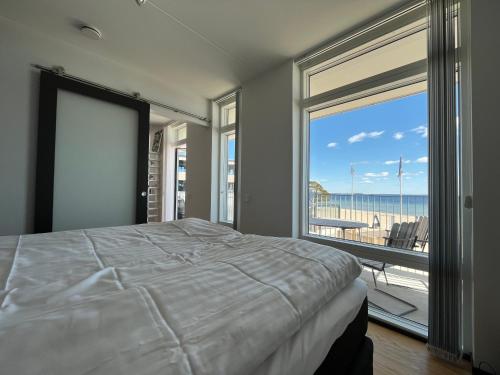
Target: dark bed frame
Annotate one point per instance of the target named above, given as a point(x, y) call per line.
point(351, 353)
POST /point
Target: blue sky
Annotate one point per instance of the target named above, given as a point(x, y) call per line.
point(372, 139)
point(231, 149)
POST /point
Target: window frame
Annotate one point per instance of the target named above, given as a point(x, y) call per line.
point(224, 134)
point(389, 80)
point(225, 128)
point(171, 141)
point(180, 145)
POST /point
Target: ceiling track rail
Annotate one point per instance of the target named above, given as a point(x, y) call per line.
point(231, 95)
point(57, 70)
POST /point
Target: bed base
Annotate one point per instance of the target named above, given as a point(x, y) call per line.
point(351, 353)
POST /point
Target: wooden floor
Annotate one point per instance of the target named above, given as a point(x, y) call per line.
point(399, 354)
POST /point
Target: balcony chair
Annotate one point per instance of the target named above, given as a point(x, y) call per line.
point(422, 233)
point(402, 236)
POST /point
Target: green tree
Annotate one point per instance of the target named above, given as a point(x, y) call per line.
point(317, 187)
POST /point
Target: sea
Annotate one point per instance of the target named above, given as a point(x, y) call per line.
point(414, 205)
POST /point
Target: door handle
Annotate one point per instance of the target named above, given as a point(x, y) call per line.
point(144, 194)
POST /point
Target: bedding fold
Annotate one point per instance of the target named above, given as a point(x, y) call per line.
point(183, 297)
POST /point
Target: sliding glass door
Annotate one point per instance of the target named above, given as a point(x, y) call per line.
point(366, 157)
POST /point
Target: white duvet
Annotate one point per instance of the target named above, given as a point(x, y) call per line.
point(183, 297)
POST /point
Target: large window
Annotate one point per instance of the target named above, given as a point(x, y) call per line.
point(227, 168)
point(366, 158)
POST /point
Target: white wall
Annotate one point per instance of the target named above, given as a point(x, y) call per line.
point(269, 131)
point(198, 171)
point(19, 47)
point(168, 196)
point(214, 165)
point(485, 62)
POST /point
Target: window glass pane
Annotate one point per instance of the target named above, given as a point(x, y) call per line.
point(180, 182)
point(393, 55)
point(369, 100)
point(368, 182)
point(231, 115)
point(95, 166)
point(368, 171)
point(181, 133)
point(404, 293)
point(228, 148)
point(228, 113)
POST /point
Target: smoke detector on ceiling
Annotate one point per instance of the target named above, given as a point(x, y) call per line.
point(91, 32)
point(140, 2)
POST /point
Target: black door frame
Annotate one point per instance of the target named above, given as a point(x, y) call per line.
point(50, 83)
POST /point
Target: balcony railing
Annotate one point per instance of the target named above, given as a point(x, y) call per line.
point(379, 212)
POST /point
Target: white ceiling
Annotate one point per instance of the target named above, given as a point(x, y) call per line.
point(207, 46)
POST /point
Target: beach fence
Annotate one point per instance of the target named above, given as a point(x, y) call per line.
point(378, 211)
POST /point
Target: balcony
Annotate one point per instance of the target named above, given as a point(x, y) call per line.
point(373, 219)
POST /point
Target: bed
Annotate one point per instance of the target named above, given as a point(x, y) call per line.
point(182, 297)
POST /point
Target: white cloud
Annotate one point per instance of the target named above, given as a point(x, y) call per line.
point(357, 138)
point(375, 134)
point(366, 181)
point(421, 130)
point(423, 160)
point(398, 136)
point(332, 144)
point(361, 136)
point(373, 174)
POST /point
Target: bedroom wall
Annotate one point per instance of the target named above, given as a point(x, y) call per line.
point(19, 47)
point(485, 60)
point(198, 167)
point(269, 153)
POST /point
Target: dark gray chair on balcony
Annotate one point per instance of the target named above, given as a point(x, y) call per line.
point(401, 236)
point(422, 233)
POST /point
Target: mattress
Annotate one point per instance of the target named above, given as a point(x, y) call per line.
point(303, 353)
point(183, 297)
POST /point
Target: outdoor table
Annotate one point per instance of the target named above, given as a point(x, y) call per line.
point(338, 223)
